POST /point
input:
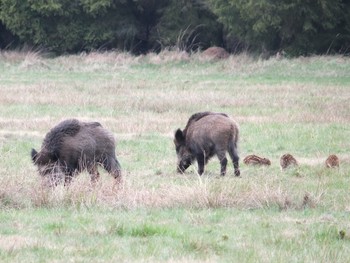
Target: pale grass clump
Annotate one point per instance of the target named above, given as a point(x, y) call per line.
point(200, 57)
point(213, 193)
point(111, 57)
point(96, 61)
point(197, 193)
point(166, 56)
point(14, 193)
point(26, 59)
point(12, 243)
point(108, 61)
point(60, 196)
point(15, 56)
point(114, 60)
point(245, 64)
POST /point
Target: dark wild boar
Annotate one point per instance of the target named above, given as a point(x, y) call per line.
point(73, 146)
point(207, 134)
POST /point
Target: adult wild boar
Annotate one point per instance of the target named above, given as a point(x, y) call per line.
point(207, 134)
point(73, 146)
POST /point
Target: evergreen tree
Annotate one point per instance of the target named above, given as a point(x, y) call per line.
point(296, 26)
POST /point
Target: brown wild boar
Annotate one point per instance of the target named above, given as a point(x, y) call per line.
point(73, 146)
point(287, 160)
point(256, 160)
point(205, 135)
point(332, 161)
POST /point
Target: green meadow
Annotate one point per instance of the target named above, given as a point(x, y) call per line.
point(298, 106)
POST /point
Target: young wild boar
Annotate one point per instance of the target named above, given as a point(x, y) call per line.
point(332, 161)
point(73, 146)
point(287, 160)
point(256, 160)
point(205, 135)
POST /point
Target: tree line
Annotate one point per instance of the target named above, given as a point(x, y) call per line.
point(296, 27)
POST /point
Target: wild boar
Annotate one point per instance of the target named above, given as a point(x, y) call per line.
point(74, 146)
point(256, 160)
point(207, 134)
point(332, 161)
point(288, 160)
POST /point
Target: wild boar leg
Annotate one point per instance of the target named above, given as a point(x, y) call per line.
point(232, 150)
point(200, 161)
point(112, 166)
point(223, 162)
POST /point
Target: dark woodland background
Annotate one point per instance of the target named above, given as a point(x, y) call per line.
point(294, 27)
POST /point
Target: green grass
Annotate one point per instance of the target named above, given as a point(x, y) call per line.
point(224, 235)
point(300, 106)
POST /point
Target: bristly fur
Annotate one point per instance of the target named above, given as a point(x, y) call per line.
point(55, 137)
point(205, 135)
point(73, 146)
point(197, 116)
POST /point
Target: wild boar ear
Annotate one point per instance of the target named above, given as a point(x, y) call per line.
point(179, 137)
point(40, 158)
point(34, 155)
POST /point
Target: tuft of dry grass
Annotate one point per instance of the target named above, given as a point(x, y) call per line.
point(193, 192)
point(95, 61)
point(23, 56)
point(15, 242)
point(166, 56)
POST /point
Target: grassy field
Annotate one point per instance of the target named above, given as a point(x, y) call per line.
point(298, 106)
